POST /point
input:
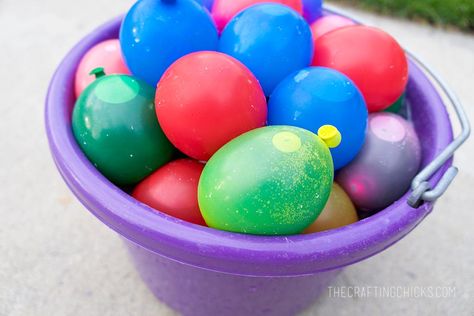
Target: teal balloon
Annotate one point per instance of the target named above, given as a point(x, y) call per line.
point(115, 124)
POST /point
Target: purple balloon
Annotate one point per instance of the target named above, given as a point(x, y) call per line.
point(312, 9)
point(207, 3)
point(383, 170)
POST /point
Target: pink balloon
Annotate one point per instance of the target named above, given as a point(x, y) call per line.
point(329, 23)
point(224, 10)
point(106, 54)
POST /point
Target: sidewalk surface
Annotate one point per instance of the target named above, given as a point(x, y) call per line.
point(57, 259)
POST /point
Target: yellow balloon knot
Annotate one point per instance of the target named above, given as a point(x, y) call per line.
point(330, 135)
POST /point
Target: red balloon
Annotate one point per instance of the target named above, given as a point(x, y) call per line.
point(370, 57)
point(172, 189)
point(206, 99)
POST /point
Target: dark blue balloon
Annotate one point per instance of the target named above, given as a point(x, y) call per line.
point(312, 9)
point(207, 3)
point(155, 33)
point(272, 40)
point(316, 96)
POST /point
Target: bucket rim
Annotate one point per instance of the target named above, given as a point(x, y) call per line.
point(228, 252)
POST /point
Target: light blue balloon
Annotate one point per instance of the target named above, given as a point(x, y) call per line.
point(156, 33)
point(317, 96)
point(272, 40)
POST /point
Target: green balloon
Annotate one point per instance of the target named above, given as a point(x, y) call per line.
point(115, 124)
point(274, 180)
point(397, 106)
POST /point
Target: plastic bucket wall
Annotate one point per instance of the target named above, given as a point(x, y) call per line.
point(195, 291)
point(201, 271)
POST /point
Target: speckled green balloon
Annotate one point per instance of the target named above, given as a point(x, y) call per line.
point(273, 180)
point(115, 124)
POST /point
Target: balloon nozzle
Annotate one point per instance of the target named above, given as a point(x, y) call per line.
point(97, 72)
point(330, 135)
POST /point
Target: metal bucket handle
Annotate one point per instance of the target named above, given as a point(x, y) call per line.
point(421, 189)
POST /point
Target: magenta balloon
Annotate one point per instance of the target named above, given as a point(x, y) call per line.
point(329, 23)
point(106, 54)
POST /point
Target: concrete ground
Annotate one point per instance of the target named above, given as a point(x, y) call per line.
point(57, 259)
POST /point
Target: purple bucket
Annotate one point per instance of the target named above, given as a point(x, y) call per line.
point(201, 271)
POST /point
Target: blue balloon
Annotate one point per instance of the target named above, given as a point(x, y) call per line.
point(272, 40)
point(316, 96)
point(312, 9)
point(155, 33)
